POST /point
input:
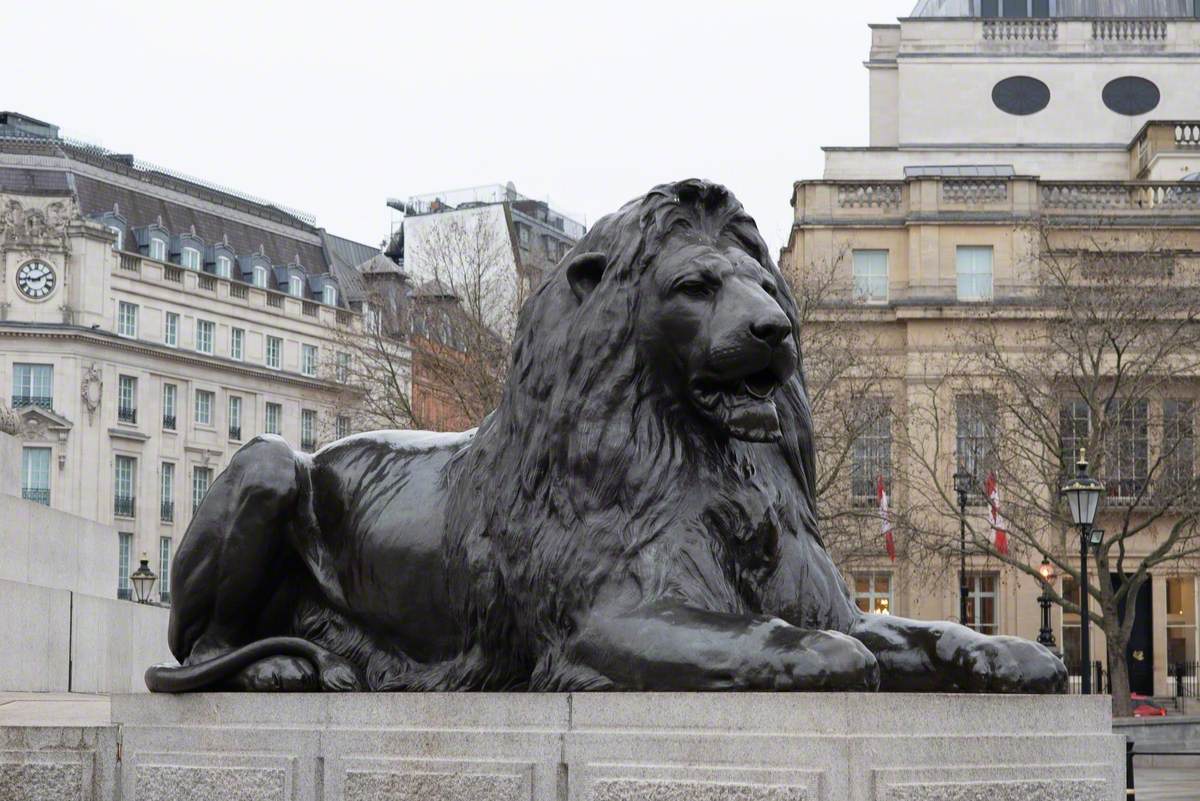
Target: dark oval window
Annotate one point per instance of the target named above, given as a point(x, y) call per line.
point(1021, 95)
point(1131, 96)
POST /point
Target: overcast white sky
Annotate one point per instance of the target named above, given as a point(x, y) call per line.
point(334, 107)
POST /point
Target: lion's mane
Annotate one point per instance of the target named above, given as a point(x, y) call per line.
point(588, 460)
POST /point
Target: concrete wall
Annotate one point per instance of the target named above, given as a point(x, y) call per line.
point(59, 641)
point(42, 546)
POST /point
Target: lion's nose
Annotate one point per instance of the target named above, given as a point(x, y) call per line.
point(771, 331)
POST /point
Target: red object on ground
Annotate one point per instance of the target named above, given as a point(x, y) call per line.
point(1146, 709)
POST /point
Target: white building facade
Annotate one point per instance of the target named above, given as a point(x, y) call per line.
point(150, 326)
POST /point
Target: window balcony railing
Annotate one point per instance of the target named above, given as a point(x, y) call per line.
point(126, 415)
point(173, 274)
point(123, 505)
point(167, 514)
point(235, 433)
point(169, 422)
point(41, 401)
point(131, 263)
point(36, 495)
point(274, 301)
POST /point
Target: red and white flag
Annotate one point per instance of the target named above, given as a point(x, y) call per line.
point(995, 520)
point(885, 517)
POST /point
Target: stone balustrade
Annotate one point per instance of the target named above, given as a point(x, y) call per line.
point(974, 191)
point(1130, 30)
point(1120, 196)
point(1020, 30)
point(875, 194)
point(1187, 135)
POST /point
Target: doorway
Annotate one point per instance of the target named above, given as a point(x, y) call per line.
point(1139, 654)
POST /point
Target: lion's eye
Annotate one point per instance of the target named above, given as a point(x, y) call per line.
point(695, 289)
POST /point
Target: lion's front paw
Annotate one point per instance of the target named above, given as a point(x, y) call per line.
point(828, 660)
point(1010, 665)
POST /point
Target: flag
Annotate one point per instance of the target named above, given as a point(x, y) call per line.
point(885, 517)
point(995, 520)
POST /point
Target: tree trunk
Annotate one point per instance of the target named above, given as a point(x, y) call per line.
point(1118, 671)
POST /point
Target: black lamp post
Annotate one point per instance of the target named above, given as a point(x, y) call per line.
point(1083, 498)
point(143, 581)
point(962, 486)
point(1046, 635)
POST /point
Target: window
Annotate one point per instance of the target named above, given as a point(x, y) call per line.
point(124, 550)
point(341, 426)
point(873, 593)
point(204, 335)
point(974, 273)
point(371, 319)
point(171, 329)
point(296, 286)
point(201, 481)
point(329, 295)
point(158, 249)
point(274, 416)
point(981, 602)
point(33, 385)
point(167, 493)
point(164, 569)
point(1181, 620)
point(871, 275)
point(308, 360)
point(1179, 447)
point(123, 485)
point(872, 454)
point(1071, 643)
point(235, 417)
point(1074, 425)
point(190, 258)
point(127, 319)
point(168, 402)
point(260, 276)
point(274, 352)
point(523, 235)
point(35, 475)
point(976, 437)
point(308, 430)
point(224, 266)
point(1126, 448)
point(119, 243)
point(127, 399)
point(204, 407)
point(237, 344)
point(343, 367)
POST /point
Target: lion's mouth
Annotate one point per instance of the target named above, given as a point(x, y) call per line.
point(743, 405)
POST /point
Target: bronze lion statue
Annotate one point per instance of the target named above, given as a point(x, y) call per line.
point(637, 514)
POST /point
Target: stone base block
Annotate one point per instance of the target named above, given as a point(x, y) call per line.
point(618, 747)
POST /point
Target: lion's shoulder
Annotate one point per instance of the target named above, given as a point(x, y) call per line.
point(410, 442)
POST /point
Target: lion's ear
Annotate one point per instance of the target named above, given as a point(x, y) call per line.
point(584, 272)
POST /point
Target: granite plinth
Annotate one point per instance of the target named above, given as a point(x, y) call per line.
point(618, 747)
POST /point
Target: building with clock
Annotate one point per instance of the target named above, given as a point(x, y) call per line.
point(990, 119)
point(150, 325)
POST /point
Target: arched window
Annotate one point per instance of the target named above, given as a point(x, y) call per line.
point(120, 235)
point(260, 276)
point(329, 295)
point(296, 286)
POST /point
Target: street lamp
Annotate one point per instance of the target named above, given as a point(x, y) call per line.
point(1083, 498)
point(1046, 635)
point(143, 581)
point(962, 486)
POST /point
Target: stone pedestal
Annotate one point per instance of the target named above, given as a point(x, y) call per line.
point(617, 747)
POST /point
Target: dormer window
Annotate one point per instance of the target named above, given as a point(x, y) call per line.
point(295, 286)
point(158, 249)
point(119, 244)
point(329, 295)
point(190, 258)
point(224, 266)
point(1014, 9)
point(260, 276)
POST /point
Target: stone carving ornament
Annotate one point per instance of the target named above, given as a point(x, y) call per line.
point(10, 422)
point(636, 514)
point(91, 390)
point(35, 226)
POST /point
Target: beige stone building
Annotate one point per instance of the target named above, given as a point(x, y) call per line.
point(989, 118)
point(152, 324)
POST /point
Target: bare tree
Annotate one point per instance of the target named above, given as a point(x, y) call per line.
point(851, 378)
point(1099, 353)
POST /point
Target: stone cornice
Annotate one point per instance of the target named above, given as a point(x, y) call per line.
point(106, 340)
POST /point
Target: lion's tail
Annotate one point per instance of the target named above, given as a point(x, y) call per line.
point(169, 678)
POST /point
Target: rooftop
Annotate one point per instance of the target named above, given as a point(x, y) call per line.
point(487, 195)
point(1086, 9)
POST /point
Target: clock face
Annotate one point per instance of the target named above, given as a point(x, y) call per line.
point(36, 279)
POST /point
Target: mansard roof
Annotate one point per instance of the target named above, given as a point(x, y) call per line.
point(1140, 9)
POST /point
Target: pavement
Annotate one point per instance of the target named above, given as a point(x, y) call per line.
point(76, 709)
point(1168, 784)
